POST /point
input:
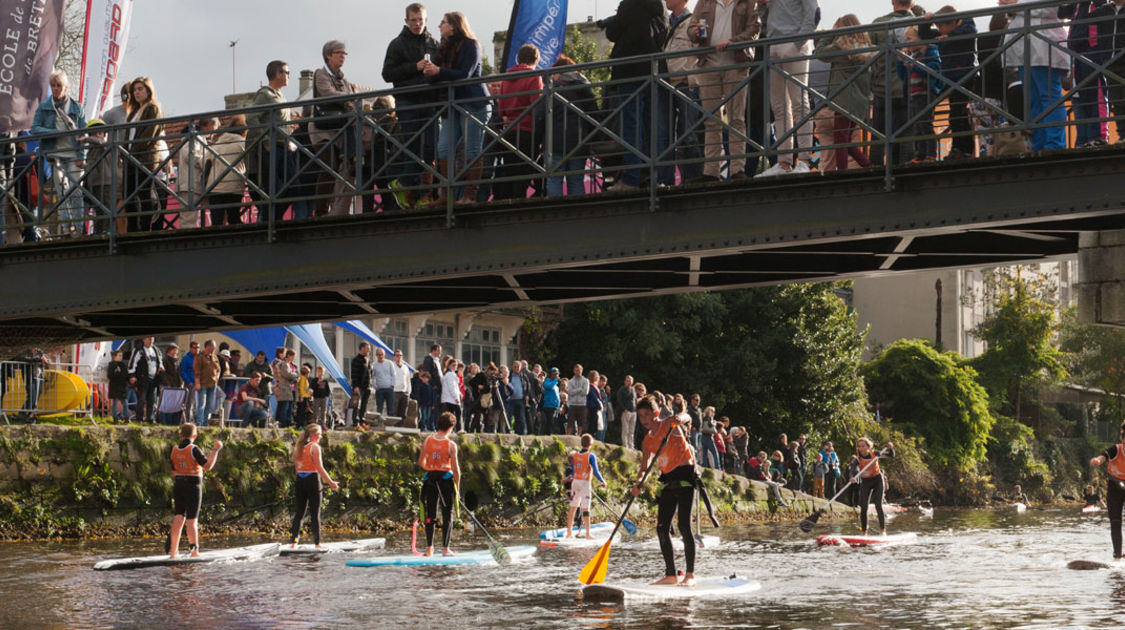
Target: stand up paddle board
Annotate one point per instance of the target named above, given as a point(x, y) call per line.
point(1020, 508)
point(480, 556)
point(604, 528)
point(859, 540)
point(1091, 509)
point(253, 552)
point(713, 588)
point(577, 542)
point(362, 544)
point(1091, 565)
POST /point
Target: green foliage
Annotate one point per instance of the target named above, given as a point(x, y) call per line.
point(1020, 335)
point(774, 359)
point(583, 49)
point(929, 393)
point(1095, 357)
point(1012, 451)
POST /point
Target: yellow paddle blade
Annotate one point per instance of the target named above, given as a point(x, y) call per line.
point(594, 571)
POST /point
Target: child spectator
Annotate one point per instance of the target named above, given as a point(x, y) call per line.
point(304, 396)
point(819, 469)
point(117, 373)
point(320, 393)
point(919, 86)
point(427, 396)
point(957, 45)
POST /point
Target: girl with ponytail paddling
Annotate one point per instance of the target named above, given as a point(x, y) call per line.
point(310, 473)
point(677, 492)
point(443, 475)
point(870, 482)
point(1114, 460)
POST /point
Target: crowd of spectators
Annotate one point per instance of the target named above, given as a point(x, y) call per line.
point(831, 87)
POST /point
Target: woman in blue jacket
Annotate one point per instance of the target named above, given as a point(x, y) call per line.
point(460, 58)
point(551, 402)
point(58, 113)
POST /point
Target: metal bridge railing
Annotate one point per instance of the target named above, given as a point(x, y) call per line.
point(579, 133)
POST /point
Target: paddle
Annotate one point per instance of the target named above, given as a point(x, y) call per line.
point(809, 523)
point(630, 526)
point(698, 522)
point(499, 553)
point(594, 571)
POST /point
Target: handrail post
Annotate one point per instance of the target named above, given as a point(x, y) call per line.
point(650, 142)
point(271, 191)
point(450, 155)
point(889, 131)
point(115, 152)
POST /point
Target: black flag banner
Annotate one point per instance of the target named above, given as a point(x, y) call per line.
point(30, 31)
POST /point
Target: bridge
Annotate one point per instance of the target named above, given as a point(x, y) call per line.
point(546, 250)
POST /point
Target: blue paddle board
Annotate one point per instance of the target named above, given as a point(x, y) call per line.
point(481, 556)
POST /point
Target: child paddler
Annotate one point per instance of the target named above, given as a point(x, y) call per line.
point(188, 465)
point(1092, 498)
point(870, 481)
point(677, 476)
point(1114, 460)
point(310, 475)
point(584, 466)
point(442, 476)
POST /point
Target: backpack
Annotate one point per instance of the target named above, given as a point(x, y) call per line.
point(708, 426)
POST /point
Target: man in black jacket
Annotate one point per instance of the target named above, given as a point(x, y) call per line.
point(407, 54)
point(638, 28)
point(361, 381)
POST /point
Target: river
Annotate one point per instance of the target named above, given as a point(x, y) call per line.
point(969, 569)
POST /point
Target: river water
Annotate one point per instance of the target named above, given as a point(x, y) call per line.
point(970, 569)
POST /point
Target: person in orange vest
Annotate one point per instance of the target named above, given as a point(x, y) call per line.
point(1114, 460)
point(584, 465)
point(870, 482)
point(677, 492)
point(188, 465)
point(310, 473)
point(439, 484)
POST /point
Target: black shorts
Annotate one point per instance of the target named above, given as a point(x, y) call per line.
point(187, 495)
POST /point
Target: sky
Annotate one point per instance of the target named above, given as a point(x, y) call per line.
point(185, 46)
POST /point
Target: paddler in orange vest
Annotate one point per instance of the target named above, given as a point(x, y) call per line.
point(870, 481)
point(188, 466)
point(677, 476)
point(585, 466)
point(310, 473)
point(1114, 460)
point(443, 475)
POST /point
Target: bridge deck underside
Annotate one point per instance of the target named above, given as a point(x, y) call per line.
point(791, 229)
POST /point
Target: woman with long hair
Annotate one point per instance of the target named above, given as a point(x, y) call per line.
point(870, 481)
point(460, 58)
point(850, 82)
point(310, 473)
point(226, 169)
point(139, 169)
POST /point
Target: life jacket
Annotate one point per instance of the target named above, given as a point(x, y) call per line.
point(183, 462)
point(1116, 465)
point(437, 454)
point(863, 461)
point(676, 452)
point(582, 467)
point(305, 461)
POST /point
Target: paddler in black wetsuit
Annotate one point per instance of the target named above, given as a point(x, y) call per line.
point(677, 494)
point(188, 466)
point(1114, 460)
point(870, 482)
point(1093, 499)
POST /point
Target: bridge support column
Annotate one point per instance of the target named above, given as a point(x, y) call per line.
point(1101, 286)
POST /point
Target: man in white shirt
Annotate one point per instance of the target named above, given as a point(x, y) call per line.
point(402, 384)
point(576, 389)
point(383, 377)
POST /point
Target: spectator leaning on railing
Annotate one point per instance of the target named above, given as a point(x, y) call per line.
point(850, 81)
point(569, 128)
point(789, 97)
point(329, 118)
point(270, 160)
point(517, 99)
point(957, 44)
point(1112, 45)
point(1042, 69)
point(139, 167)
point(680, 113)
point(66, 154)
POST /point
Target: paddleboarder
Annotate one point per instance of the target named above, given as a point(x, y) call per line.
point(1018, 495)
point(310, 475)
point(1114, 460)
point(442, 476)
point(188, 465)
point(870, 482)
point(1092, 498)
point(677, 492)
point(585, 466)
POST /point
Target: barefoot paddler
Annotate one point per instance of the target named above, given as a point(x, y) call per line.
point(188, 465)
point(442, 476)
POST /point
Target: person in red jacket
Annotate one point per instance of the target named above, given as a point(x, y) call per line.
point(517, 100)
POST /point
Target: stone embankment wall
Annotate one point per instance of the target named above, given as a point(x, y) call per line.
point(114, 480)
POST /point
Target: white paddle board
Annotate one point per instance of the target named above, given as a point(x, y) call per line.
point(480, 556)
point(577, 542)
point(604, 528)
point(253, 552)
point(363, 544)
point(859, 540)
point(1091, 509)
point(711, 588)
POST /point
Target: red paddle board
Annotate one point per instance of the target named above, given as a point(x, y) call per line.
point(859, 540)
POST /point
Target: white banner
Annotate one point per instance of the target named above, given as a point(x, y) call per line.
point(107, 33)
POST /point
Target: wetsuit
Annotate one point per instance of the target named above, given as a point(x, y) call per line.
point(437, 487)
point(309, 490)
point(677, 492)
point(871, 488)
point(1092, 499)
point(1115, 493)
point(187, 473)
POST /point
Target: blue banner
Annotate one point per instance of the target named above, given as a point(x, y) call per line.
point(538, 22)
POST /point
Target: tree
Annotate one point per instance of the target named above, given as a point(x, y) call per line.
point(772, 358)
point(1095, 358)
point(1020, 335)
point(935, 394)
